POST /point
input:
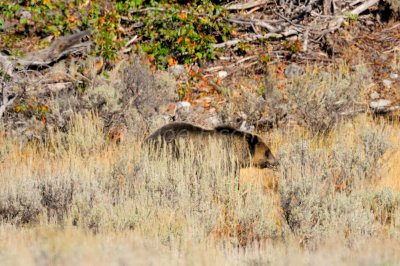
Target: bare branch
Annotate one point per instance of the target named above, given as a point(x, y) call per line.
point(361, 8)
point(287, 33)
point(148, 9)
point(246, 5)
point(256, 22)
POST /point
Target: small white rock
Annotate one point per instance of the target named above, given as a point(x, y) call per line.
point(394, 76)
point(387, 83)
point(184, 105)
point(374, 95)
point(222, 74)
point(380, 104)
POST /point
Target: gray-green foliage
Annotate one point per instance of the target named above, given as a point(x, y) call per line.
point(317, 99)
point(321, 190)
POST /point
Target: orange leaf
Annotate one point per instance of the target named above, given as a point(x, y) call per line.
point(183, 15)
point(172, 61)
point(192, 72)
point(44, 108)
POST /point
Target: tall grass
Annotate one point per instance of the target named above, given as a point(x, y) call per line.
point(98, 202)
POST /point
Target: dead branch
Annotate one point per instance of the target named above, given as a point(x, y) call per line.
point(47, 56)
point(248, 5)
point(337, 23)
point(242, 60)
point(228, 43)
point(287, 33)
point(148, 9)
point(6, 100)
point(361, 8)
point(64, 46)
point(256, 22)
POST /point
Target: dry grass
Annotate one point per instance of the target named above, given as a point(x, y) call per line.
point(55, 246)
point(87, 201)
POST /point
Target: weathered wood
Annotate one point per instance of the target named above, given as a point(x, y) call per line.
point(255, 22)
point(251, 38)
point(361, 8)
point(248, 5)
point(60, 48)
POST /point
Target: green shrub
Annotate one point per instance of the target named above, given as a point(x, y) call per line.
point(183, 33)
point(177, 32)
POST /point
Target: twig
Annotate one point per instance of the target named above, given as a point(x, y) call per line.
point(134, 39)
point(356, 2)
point(228, 43)
point(242, 60)
point(256, 22)
point(264, 24)
point(147, 10)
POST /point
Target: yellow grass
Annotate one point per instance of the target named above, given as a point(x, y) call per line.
point(391, 171)
point(130, 210)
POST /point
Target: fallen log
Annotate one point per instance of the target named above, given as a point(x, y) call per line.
point(60, 48)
